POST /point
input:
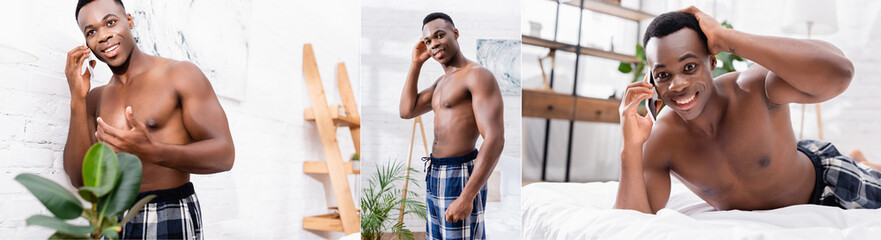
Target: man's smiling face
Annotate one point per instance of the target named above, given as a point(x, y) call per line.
point(682, 71)
point(439, 36)
point(107, 29)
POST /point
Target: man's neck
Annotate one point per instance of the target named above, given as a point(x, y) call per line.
point(707, 124)
point(137, 63)
point(458, 62)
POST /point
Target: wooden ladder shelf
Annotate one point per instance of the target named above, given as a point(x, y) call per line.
point(327, 118)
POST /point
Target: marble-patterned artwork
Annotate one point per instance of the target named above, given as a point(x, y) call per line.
point(211, 34)
point(502, 58)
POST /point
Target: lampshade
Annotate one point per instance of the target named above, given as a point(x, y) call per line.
point(13, 55)
point(810, 17)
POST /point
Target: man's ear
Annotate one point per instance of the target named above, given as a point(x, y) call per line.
point(712, 62)
point(456, 33)
point(131, 21)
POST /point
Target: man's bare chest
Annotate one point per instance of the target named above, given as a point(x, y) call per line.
point(449, 94)
point(745, 151)
point(152, 104)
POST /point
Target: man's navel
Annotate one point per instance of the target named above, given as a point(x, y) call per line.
point(764, 162)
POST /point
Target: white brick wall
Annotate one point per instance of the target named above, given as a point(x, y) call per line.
point(266, 195)
point(847, 119)
point(390, 29)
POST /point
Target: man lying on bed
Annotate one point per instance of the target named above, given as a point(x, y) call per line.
point(730, 139)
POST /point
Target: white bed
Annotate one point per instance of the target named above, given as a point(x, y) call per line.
point(584, 211)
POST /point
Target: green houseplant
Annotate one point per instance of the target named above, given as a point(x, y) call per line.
point(110, 183)
point(381, 203)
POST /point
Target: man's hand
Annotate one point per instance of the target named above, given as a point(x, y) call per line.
point(636, 128)
point(711, 29)
point(136, 140)
point(420, 53)
point(79, 83)
point(459, 209)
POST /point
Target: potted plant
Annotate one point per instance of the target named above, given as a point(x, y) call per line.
point(110, 183)
point(381, 203)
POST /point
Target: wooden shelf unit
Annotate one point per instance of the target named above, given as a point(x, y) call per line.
point(550, 105)
point(535, 41)
point(327, 119)
point(544, 104)
point(320, 167)
point(611, 9)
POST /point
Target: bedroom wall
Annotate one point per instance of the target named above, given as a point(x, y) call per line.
point(847, 119)
point(389, 32)
point(266, 188)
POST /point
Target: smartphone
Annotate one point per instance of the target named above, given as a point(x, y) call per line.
point(654, 104)
point(87, 65)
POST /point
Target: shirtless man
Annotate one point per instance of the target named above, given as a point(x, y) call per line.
point(467, 103)
point(161, 110)
point(730, 139)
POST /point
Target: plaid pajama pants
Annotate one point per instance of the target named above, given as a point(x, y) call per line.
point(840, 181)
point(173, 214)
point(445, 178)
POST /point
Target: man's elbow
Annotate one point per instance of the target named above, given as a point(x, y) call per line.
point(496, 140)
point(843, 74)
point(228, 161)
point(407, 114)
point(642, 210)
point(839, 78)
point(75, 182)
point(222, 163)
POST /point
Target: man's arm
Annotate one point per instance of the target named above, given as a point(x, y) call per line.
point(793, 70)
point(412, 103)
point(486, 100)
point(645, 184)
point(212, 150)
point(82, 115)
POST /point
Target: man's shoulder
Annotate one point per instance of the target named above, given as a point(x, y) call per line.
point(743, 86)
point(751, 80)
point(181, 72)
point(478, 72)
point(667, 133)
point(479, 76)
point(176, 67)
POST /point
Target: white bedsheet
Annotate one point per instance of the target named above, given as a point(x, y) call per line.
point(584, 211)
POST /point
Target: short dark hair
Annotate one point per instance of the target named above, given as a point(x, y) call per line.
point(671, 22)
point(81, 3)
point(436, 15)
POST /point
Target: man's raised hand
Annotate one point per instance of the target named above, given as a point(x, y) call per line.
point(711, 29)
point(420, 53)
point(636, 128)
point(136, 140)
point(78, 82)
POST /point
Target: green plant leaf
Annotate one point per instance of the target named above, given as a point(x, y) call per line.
point(61, 235)
point(625, 67)
point(100, 169)
point(59, 225)
point(132, 212)
point(381, 202)
point(122, 197)
point(726, 24)
point(640, 52)
point(111, 232)
point(58, 200)
point(88, 194)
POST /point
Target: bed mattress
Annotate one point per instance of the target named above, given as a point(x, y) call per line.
point(584, 211)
